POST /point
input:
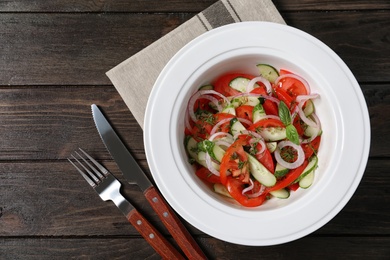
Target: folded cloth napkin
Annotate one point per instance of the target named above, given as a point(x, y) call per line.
point(143, 68)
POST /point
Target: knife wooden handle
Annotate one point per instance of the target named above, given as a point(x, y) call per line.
point(152, 236)
point(183, 238)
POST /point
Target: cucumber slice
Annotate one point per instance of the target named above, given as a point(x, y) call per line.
point(310, 130)
point(215, 151)
point(240, 84)
point(280, 170)
point(236, 127)
point(307, 181)
point(229, 109)
point(271, 134)
point(309, 168)
point(309, 108)
point(260, 173)
point(268, 72)
point(221, 189)
point(202, 161)
point(206, 87)
point(281, 194)
point(258, 112)
point(271, 146)
point(192, 148)
point(244, 100)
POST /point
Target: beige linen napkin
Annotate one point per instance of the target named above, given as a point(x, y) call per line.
point(134, 78)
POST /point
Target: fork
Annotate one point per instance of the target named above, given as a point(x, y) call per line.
point(107, 186)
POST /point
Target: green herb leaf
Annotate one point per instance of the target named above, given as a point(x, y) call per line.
point(292, 134)
point(284, 113)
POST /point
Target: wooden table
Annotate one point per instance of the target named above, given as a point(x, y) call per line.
point(53, 59)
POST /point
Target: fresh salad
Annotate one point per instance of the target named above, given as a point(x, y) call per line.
point(253, 137)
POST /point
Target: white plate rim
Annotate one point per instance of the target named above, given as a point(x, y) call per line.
point(160, 160)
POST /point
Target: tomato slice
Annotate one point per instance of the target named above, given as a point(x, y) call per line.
point(225, 127)
point(245, 111)
point(235, 188)
point(312, 147)
point(265, 123)
point(201, 130)
point(222, 84)
point(261, 90)
point(294, 87)
point(205, 174)
point(284, 96)
point(291, 176)
point(266, 159)
point(270, 108)
point(235, 161)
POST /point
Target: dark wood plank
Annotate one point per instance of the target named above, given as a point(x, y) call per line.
point(52, 199)
point(77, 49)
point(47, 123)
point(176, 5)
point(125, 248)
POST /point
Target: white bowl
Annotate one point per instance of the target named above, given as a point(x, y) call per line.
point(341, 108)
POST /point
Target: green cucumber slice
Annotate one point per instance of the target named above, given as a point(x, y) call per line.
point(271, 134)
point(309, 108)
point(271, 146)
point(307, 181)
point(221, 189)
point(280, 170)
point(236, 127)
point(268, 72)
point(281, 194)
point(240, 84)
point(260, 173)
point(309, 168)
point(206, 87)
point(258, 112)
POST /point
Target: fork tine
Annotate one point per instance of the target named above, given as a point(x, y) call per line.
point(97, 173)
point(98, 165)
point(88, 179)
point(91, 175)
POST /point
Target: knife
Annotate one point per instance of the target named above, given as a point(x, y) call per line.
point(134, 174)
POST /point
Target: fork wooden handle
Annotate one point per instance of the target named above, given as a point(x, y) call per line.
point(183, 238)
point(153, 237)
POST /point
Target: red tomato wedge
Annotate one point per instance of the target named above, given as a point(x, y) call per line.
point(205, 174)
point(235, 188)
point(235, 161)
point(245, 111)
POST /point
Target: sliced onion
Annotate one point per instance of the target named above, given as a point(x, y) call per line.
point(245, 121)
point(213, 136)
point(210, 166)
point(249, 188)
point(271, 98)
point(259, 79)
point(187, 120)
point(318, 128)
point(304, 117)
point(207, 95)
point(269, 117)
point(304, 82)
point(217, 125)
point(257, 194)
point(301, 98)
point(298, 162)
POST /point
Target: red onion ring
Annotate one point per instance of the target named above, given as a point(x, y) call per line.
point(204, 94)
point(318, 123)
point(210, 166)
point(298, 162)
point(217, 125)
point(261, 79)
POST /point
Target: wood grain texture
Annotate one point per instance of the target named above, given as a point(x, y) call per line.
point(136, 248)
point(75, 209)
point(177, 5)
point(53, 59)
point(77, 49)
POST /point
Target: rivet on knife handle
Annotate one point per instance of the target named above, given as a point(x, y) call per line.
point(174, 225)
point(154, 238)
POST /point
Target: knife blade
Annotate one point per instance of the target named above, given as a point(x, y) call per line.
point(134, 174)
